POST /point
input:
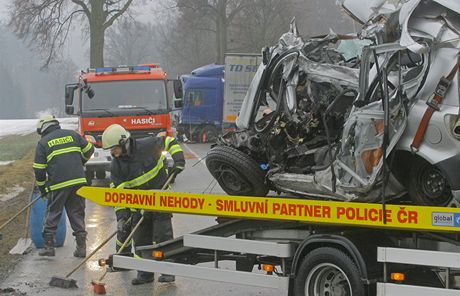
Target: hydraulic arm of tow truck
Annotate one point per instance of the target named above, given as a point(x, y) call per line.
point(414, 218)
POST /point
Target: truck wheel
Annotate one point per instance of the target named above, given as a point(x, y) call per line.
point(328, 272)
point(100, 174)
point(236, 172)
point(208, 134)
point(427, 185)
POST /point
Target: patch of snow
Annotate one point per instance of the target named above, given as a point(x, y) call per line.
point(6, 162)
point(26, 126)
point(12, 193)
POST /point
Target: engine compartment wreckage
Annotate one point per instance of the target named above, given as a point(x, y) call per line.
point(320, 114)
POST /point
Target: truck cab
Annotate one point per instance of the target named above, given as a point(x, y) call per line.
point(135, 97)
point(203, 97)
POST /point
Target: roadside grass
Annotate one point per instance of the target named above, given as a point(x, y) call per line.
point(19, 173)
point(15, 147)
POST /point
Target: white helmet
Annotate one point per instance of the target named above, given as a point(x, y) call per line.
point(114, 135)
point(45, 122)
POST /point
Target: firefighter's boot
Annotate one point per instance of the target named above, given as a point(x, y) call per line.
point(143, 278)
point(48, 250)
point(80, 250)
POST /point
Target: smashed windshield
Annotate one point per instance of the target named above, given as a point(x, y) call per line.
point(114, 95)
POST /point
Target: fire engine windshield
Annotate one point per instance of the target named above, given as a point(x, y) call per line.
point(144, 95)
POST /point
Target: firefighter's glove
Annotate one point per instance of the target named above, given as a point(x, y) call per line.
point(177, 170)
point(124, 226)
point(43, 191)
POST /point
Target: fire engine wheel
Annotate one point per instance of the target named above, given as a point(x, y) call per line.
point(89, 174)
point(208, 134)
point(427, 185)
point(236, 172)
point(328, 272)
point(100, 174)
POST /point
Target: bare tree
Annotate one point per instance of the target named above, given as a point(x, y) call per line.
point(260, 24)
point(130, 43)
point(222, 13)
point(46, 24)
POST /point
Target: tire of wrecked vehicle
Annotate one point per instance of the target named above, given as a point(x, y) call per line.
point(427, 186)
point(328, 271)
point(236, 172)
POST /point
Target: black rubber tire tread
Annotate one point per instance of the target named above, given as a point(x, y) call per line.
point(241, 163)
point(414, 188)
point(328, 255)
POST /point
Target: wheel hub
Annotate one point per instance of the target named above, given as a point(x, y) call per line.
point(434, 185)
point(231, 178)
point(327, 280)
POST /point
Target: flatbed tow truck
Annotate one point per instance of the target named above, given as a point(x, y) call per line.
point(303, 247)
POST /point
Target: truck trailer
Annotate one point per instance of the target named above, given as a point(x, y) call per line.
point(212, 96)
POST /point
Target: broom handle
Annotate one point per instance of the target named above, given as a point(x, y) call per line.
point(19, 213)
point(130, 236)
point(92, 253)
point(26, 231)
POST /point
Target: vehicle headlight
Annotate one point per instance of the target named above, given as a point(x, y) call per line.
point(90, 139)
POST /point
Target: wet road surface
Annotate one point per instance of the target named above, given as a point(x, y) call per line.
point(33, 273)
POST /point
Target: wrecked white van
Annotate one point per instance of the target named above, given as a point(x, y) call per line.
point(321, 114)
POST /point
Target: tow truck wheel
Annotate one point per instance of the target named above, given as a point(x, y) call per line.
point(236, 172)
point(328, 272)
point(427, 185)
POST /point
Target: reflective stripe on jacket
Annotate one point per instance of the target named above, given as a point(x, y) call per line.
point(143, 166)
point(59, 159)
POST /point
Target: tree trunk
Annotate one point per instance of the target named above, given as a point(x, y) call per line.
point(96, 26)
point(221, 31)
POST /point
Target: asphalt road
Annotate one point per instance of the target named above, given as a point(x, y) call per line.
point(32, 275)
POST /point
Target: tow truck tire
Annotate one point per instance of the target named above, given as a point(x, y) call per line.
point(427, 186)
point(236, 172)
point(328, 271)
point(100, 174)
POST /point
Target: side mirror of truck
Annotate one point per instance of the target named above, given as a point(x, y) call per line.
point(178, 103)
point(69, 93)
point(178, 92)
point(265, 55)
point(69, 110)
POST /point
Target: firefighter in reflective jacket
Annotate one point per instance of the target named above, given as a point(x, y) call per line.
point(140, 164)
point(58, 166)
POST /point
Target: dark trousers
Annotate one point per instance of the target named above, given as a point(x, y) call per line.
point(75, 209)
point(121, 238)
point(156, 228)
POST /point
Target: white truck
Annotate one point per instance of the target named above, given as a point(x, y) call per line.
point(302, 247)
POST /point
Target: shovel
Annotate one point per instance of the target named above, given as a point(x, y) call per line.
point(25, 242)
